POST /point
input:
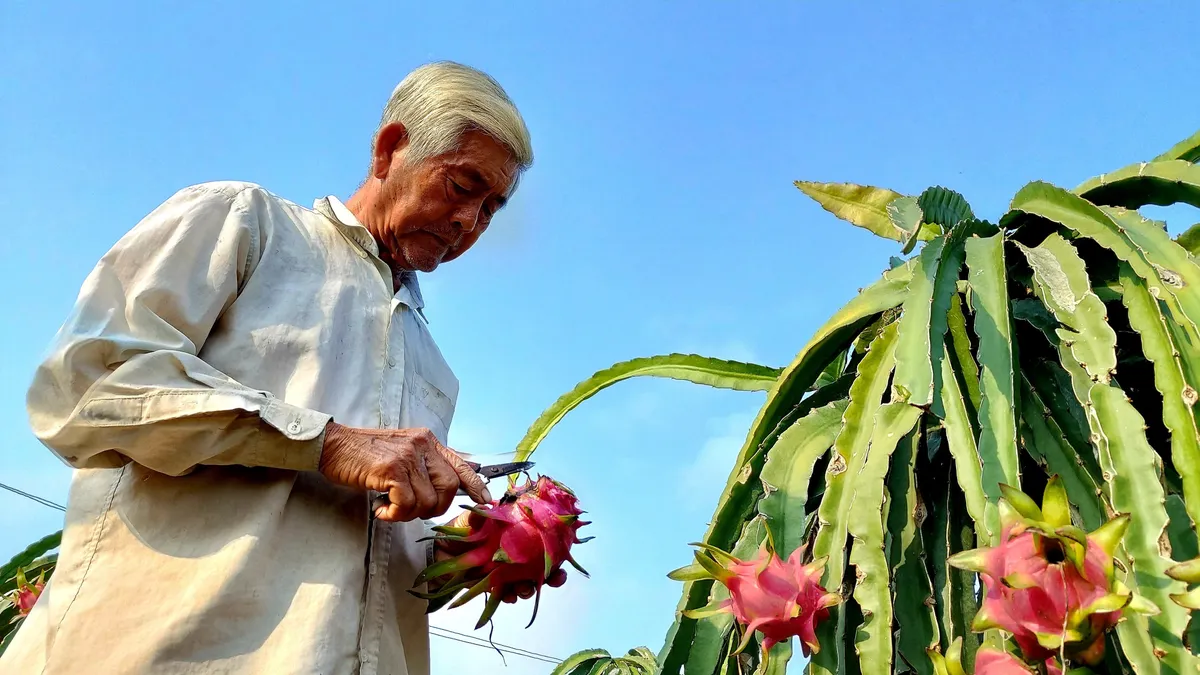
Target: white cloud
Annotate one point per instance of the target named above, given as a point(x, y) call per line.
point(475, 442)
point(715, 460)
point(626, 409)
point(706, 333)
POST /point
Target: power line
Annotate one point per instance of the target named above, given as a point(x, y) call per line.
point(480, 642)
point(444, 633)
point(39, 500)
point(493, 647)
point(490, 645)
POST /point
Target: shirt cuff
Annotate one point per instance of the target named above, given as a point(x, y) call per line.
point(303, 437)
point(298, 424)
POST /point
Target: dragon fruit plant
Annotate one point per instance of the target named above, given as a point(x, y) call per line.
point(1052, 351)
point(525, 536)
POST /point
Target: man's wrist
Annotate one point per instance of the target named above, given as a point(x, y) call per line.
point(328, 438)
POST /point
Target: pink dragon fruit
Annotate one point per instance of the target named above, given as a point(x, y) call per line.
point(988, 661)
point(524, 537)
point(26, 594)
point(1048, 583)
point(996, 662)
point(776, 598)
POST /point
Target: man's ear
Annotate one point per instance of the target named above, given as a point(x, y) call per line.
point(389, 142)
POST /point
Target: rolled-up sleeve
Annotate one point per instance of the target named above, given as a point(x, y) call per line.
point(123, 380)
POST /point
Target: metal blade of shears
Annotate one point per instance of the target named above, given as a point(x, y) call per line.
point(491, 471)
point(487, 471)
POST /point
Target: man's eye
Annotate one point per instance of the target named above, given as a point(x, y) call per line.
point(459, 189)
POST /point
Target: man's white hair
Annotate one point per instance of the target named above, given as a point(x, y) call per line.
point(440, 101)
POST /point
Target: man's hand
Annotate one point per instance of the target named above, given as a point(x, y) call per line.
point(420, 475)
point(444, 550)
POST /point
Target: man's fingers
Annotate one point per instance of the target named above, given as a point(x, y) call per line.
point(425, 496)
point(471, 482)
point(403, 502)
point(445, 482)
point(386, 512)
point(525, 589)
point(465, 519)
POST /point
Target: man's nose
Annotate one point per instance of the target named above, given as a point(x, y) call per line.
point(467, 222)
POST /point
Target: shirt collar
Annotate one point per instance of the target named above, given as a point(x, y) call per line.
point(333, 208)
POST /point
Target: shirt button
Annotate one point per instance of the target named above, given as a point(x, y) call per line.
point(391, 363)
point(294, 426)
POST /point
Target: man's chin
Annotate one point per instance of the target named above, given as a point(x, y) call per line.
point(421, 261)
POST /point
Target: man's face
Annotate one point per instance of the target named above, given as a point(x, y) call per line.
point(433, 211)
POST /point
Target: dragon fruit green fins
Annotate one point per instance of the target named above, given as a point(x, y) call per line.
point(776, 598)
point(1049, 583)
point(525, 536)
point(1187, 572)
point(951, 663)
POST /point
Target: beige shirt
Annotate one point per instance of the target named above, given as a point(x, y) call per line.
point(190, 388)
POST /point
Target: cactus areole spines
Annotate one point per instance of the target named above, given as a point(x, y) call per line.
point(525, 536)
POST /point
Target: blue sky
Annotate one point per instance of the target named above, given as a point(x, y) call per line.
point(659, 217)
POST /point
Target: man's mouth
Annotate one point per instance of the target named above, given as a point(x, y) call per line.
point(442, 240)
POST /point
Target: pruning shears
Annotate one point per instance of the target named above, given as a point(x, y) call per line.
point(488, 472)
point(492, 471)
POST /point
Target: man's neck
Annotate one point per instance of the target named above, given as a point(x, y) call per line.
point(362, 204)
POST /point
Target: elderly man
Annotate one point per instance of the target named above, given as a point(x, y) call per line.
point(239, 376)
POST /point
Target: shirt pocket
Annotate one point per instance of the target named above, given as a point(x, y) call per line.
point(431, 388)
point(430, 403)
